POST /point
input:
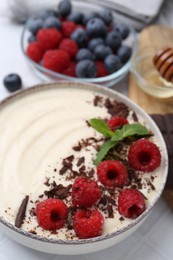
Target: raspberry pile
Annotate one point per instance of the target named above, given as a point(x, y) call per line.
point(92, 42)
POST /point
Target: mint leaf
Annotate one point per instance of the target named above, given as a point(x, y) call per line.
point(101, 126)
point(104, 150)
point(130, 130)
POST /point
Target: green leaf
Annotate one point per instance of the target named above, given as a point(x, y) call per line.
point(105, 147)
point(101, 126)
point(130, 130)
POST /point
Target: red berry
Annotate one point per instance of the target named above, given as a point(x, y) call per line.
point(85, 192)
point(56, 60)
point(116, 122)
point(112, 173)
point(101, 70)
point(71, 70)
point(51, 214)
point(68, 28)
point(69, 46)
point(144, 156)
point(131, 203)
point(88, 223)
point(49, 38)
point(35, 51)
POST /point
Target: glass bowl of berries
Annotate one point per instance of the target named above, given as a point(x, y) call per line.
point(99, 165)
point(80, 41)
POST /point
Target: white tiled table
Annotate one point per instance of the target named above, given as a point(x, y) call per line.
point(152, 241)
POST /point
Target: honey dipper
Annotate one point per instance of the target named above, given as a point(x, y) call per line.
point(163, 61)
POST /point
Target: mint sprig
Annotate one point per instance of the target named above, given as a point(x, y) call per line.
point(101, 127)
point(119, 135)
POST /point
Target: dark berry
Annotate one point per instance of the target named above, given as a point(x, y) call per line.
point(85, 192)
point(122, 29)
point(124, 53)
point(51, 214)
point(52, 22)
point(131, 203)
point(31, 38)
point(84, 54)
point(43, 14)
point(88, 16)
point(12, 82)
point(112, 173)
point(64, 8)
point(81, 37)
point(102, 51)
point(96, 27)
point(113, 40)
point(144, 155)
point(86, 69)
point(95, 42)
point(116, 122)
point(106, 16)
point(34, 25)
point(88, 223)
point(112, 63)
point(75, 17)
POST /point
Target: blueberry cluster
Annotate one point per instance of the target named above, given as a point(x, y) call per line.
point(97, 37)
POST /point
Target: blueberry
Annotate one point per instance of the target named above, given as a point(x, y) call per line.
point(43, 14)
point(34, 25)
point(64, 8)
point(94, 43)
point(84, 54)
point(12, 82)
point(52, 22)
point(106, 16)
point(124, 53)
point(112, 63)
point(88, 16)
point(86, 69)
point(102, 51)
point(80, 37)
point(75, 17)
point(113, 40)
point(123, 29)
point(31, 38)
point(96, 27)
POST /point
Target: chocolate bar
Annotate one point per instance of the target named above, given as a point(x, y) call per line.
point(165, 124)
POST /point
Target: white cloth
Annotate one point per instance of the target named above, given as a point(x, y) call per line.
point(138, 13)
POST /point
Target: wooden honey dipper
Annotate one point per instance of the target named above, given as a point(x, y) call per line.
point(163, 61)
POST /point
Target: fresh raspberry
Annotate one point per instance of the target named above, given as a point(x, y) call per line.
point(131, 203)
point(116, 122)
point(101, 70)
point(88, 223)
point(85, 192)
point(71, 70)
point(56, 60)
point(51, 214)
point(49, 38)
point(69, 46)
point(35, 51)
point(68, 28)
point(112, 173)
point(144, 156)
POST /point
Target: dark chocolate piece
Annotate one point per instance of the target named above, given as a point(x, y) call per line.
point(21, 212)
point(165, 124)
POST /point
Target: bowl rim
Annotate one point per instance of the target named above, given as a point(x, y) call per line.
point(116, 75)
point(139, 55)
point(117, 96)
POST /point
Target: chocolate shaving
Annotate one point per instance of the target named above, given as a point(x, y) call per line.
point(97, 100)
point(134, 116)
point(81, 161)
point(63, 170)
point(58, 191)
point(110, 211)
point(21, 212)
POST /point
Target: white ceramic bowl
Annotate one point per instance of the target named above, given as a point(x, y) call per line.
point(82, 246)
